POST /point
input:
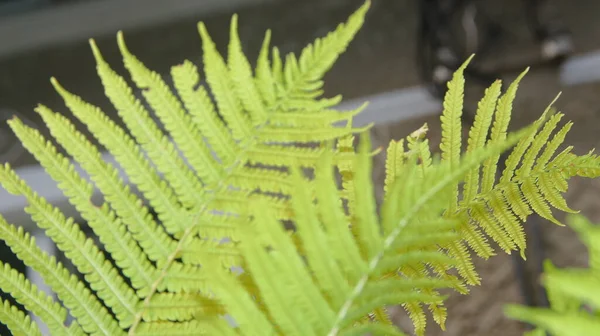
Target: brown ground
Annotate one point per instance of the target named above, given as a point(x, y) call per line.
point(380, 59)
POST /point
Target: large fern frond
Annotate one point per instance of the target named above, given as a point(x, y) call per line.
point(195, 170)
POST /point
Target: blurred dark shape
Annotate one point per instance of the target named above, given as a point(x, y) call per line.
point(451, 30)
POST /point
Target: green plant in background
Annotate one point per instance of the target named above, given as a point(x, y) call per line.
point(227, 175)
point(574, 293)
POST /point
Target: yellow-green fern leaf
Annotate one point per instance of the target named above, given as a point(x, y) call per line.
point(91, 315)
point(169, 110)
point(393, 163)
point(501, 210)
point(222, 86)
point(243, 80)
point(499, 128)
point(103, 278)
point(265, 79)
point(303, 77)
point(35, 301)
point(541, 138)
point(102, 220)
point(450, 144)
point(17, 322)
point(491, 226)
point(126, 205)
point(181, 307)
point(366, 216)
point(344, 247)
point(478, 135)
point(155, 143)
point(325, 269)
point(130, 157)
point(202, 110)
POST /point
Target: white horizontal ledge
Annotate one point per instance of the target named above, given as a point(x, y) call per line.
point(383, 108)
point(581, 69)
point(54, 25)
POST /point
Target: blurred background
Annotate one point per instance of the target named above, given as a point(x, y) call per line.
point(399, 62)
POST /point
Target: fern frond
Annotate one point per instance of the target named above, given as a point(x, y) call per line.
point(202, 111)
point(102, 220)
point(568, 291)
point(17, 322)
point(498, 132)
point(160, 196)
point(187, 328)
point(243, 80)
point(302, 77)
point(91, 315)
point(479, 133)
point(156, 145)
point(532, 180)
point(81, 251)
point(287, 275)
point(429, 193)
point(34, 300)
point(450, 144)
point(180, 307)
point(127, 206)
point(242, 232)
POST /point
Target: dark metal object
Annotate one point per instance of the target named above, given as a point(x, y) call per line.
point(449, 31)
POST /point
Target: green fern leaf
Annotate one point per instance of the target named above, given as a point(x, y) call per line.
point(91, 315)
point(568, 291)
point(81, 251)
point(35, 301)
point(451, 122)
point(478, 135)
point(17, 322)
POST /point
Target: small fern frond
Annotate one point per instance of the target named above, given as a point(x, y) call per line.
point(573, 293)
point(533, 179)
point(418, 195)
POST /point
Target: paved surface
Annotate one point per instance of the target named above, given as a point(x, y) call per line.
point(380, 59)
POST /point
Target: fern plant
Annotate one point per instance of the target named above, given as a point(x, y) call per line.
point(229, 172)
point(573, 293)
